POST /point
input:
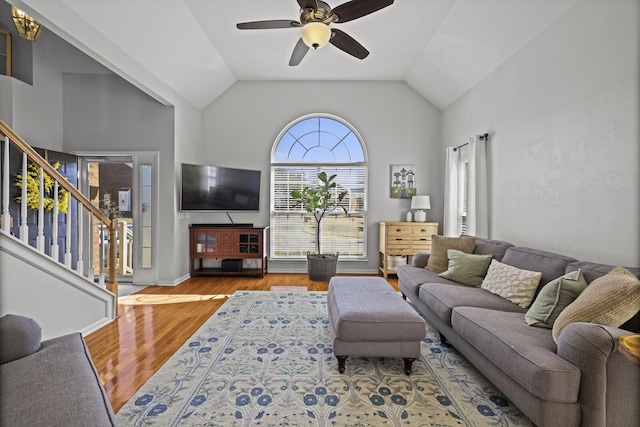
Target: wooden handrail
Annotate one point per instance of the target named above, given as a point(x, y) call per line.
point(34, 157)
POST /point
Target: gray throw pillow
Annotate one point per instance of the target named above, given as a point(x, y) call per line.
point(468, 269)
point(554, 297)
point(19, 337)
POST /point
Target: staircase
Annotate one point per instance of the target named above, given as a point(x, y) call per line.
point(43, 272)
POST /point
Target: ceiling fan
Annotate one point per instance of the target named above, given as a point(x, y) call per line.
point(315, 18)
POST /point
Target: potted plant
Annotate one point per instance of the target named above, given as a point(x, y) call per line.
point(319, 201)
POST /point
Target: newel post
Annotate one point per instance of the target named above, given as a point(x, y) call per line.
point(112, 284)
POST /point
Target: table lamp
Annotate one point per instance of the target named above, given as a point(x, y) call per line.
point(419, 203)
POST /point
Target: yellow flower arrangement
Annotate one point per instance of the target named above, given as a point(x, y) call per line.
point(33, 189)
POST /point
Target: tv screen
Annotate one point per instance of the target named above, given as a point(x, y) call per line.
point(214, 188)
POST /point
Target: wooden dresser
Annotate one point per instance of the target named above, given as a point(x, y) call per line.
point(403, 239)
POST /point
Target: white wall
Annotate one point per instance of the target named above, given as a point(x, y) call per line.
point(398, 127)
point(6, 100)
point(104, 113)
point(564, 148)
point(188, 149)
point(37, 108)
point(60, 300)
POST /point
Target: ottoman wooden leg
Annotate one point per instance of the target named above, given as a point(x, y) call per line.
point(341, 363)
point(407, 365)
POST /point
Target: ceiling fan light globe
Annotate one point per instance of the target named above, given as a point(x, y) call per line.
point(316, 34)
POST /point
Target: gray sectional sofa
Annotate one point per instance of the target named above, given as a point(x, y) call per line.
point(48, 383)
point(581, 380)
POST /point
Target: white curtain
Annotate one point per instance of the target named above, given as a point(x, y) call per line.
point(477, 216)
point(451, 192)
point(477, 199)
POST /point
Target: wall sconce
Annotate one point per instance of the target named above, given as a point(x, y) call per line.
point(28, 28)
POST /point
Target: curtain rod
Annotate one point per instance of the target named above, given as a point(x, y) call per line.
point(485, 137)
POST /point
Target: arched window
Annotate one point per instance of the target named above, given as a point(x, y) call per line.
point(307, 146)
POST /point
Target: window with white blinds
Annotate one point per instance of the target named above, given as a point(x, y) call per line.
point(310, 145)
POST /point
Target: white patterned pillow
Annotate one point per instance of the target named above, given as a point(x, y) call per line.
point(517, 285)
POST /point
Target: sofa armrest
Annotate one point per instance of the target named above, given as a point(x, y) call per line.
point(420, 259)
point(609, 389)
point(19, 337)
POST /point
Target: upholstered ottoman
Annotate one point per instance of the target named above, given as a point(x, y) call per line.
point(368, 318)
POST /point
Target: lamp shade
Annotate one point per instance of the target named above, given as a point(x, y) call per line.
point(420, 202)
point(316, 34)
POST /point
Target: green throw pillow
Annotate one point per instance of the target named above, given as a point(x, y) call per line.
point(554, 297)
point(468, 269)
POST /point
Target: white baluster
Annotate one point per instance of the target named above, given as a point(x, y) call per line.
point(80, 263)
point(54, 244)
point(6, 216)
point(67, 237)
point(40, 238)
point(24, 228)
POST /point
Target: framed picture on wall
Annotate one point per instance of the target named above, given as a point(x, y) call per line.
point(403, 178)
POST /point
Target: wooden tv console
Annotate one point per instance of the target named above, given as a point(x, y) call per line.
point(230, 244)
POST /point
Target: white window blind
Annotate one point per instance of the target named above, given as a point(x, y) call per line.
point(294, 228)
point(464, 197)
point(305, 148)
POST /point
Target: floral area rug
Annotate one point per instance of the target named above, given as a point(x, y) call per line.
point(265, 359)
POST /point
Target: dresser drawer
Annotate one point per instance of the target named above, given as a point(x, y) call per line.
point(418, 246)
point(423, 231)
point(399, 249)
point(399, 231)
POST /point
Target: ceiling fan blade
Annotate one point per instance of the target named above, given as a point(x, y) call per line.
point(308, 4)
point(299, 52)
point(345, 42)
point(266, 25)
point(358, 8)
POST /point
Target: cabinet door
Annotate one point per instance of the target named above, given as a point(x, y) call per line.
point(249, 244)
point(206, 243)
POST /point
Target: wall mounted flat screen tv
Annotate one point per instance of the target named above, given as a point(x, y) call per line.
point(207, 188)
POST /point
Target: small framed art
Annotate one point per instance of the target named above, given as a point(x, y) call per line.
point(403, 179)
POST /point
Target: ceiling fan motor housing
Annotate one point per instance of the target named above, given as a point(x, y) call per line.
point(321, 14)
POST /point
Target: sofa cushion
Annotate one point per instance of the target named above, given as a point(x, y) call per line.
point(592, 271)
point(468, 269)
point(438, 260)
point(554, 297)
point(609, 300)
point(443, 298)
point(549, 264)
point(515, 284)
point(527, 355)
point(497, 248)
point(411, 278)
point(19, 337)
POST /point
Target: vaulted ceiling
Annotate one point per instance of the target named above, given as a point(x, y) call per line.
point(192, 50)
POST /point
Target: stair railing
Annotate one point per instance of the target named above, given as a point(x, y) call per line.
point(84, 204)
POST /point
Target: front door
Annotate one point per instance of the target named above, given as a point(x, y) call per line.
point(122, 184)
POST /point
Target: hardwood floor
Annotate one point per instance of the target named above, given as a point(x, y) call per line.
point(154, 322)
